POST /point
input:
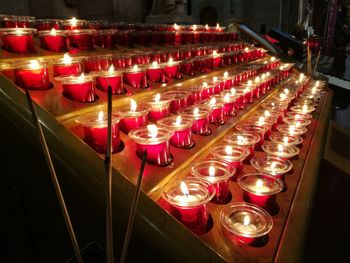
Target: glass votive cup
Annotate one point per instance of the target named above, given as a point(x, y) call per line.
point(159, 107)
point(275, 114)
point(182, 137)
point(297, 122)
point(216, 106)
point(81, 39)
point(188, 199)
point(95, 126)
point(291, 129)
point(67, 66)
point(47, 24)
point(32, 74)
point(217, 173)
point(73, 24)
point(187, 67)
point(14, 21)
point(180, 100)
point(134, 116)
point(302, 109)
point(233, 154)
point(171, 69)
point(268, 122)
point(97, 62)
point(245, 224)
point(135, 77)
point(53, 40)
point(229, 99)
point(245, 139)
point(154, 140)
point(285, 139)
point(274, 105)
point(106, 38)
point(281, 151)
point(253, 128)
point(155, 72)
point(18, 40)
point(200, 117)
point(260, 189)
point(111, 78)
point(297, 116)
point(79, 88)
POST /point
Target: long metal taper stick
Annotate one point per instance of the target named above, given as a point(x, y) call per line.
point(54, 178)
point(108, 163)
point(133, 209)
point(317, 60)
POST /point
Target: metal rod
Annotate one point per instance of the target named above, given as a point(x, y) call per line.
point(108, 163)
point(54, 178)
point(133, 209)
point(317, 60)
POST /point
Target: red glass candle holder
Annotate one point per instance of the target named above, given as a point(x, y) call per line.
point(233, 154)
point(67, 66)
point(78, 88)
point(297, 122)
point(12, 21)
point(216, 116)
point(274, 105)
point(74, 24)
point(291, 129)
point(47, 24)
point(81, 39)
point(285, 139)
point(273, 114)
point(135, 77)
point(155, 72)
point(229, 100)
point(182, 137)
point(253, 128)
point(97, 63)
point(268, 122)
point(53, 40)
point(245, 224)
point(260, 189)
point(187, 67)
point(111, 78)
point(156, 141)
point(245, 139)
point(135, 116)
point(217, 173)
point(18, 40)
point(282, 151)
point(172, 69)
point(180, 100)
point(96, 130)
point(302, 109)
point(107, 38)
point(32, 74)
point(159, 107)
point(200, 117)
point(297, 116)
point(188, 199)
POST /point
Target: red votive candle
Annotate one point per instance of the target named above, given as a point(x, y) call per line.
point(282, 151)
point(73, 24)
point(111, 78)
point(12, 21)
point(53, 40)
point(18, 40)
point(78, 88)
point(47, 24)
point(182, 137)
point(285, 139)
point(135, 116)
point(260, 189)
point(135, 77)
point(32, 74)
point(262, 121)
point(107, 39)
point(188, 199)
point(229, 98)
point(233, 154)
point(245, 224)
point(156, 141)
point(180, 100)
point(97, 63)
point(217, 110)
point(253, 128)
point(245, 139)
point(81, 39)
point(200, 117)
point(302, 109)
point(172, 69)
point(187, 67)
point(159, 107)
point(96, 130)
point(297, 122)
point(155, 72)
point(217, 173)
point(291, 129)
point(67, 66)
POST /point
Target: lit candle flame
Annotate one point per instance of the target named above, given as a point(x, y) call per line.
point(212, 101)
point(233, 91)
point(286, 91)
point(273, 166)
point(267, 74)
point(297, 124)
point(272, 59)
point(227, 97)
point(291, 129)
point(133, 105)
point(194, 27)
point(280, 148)
point(225, 74)
point(263, 76)
point(135, 68)
point(67, 59)
point(217, 26)
point(317, 83)
point(196, 111)
point(34, 64)
point(171, 61)
point(297, 116)
point(100, 116)
point(261, 120)
point(111, 69)
point(73, 21)
point(283, 96)
point(259, 184)
point(154, 64)
point(178, 120)
point(153, 130)
point(205, 84)
point(157, 98)
point(249, 82)
point(257, 79)
point(246, 49)
point(246, 220)
point(215, 79)
point(304, 108)
point(267, 113)
point(176, 27)
point(285, 140)
point(240, 139)
point(53, 32)
point(81, 77)
point(206, 27)
point(212, 171)
point(228, 150)
point(215, 53)
point(184, 189)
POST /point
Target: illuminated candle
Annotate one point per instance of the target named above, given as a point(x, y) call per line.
point(111, 78)
point(73, 23)
point(156, 141)
point(260, 189)
point(182, 137)
point(245, 139)
point(188, 200)
point(155, 72)
point(18, 40)
point(135, 77)
point(216, 60)
point(272, 165)
point(291, 129)
point(229, 98)
point(32, 74)
point(285, 139)
point(135, 116)
point(78, 88)
point(245, 223)
point(282, 151)
point(253, 128)
point(97, 63)
point(298, 122)
point(200, 117)
point(302, 109)
point(53, 40)
point(217, 111)
point(81, 39)
point(172, 69)
point(180, 100)
point(159, 107)
point(96, 130)
point(67, 66)
point(217, 173)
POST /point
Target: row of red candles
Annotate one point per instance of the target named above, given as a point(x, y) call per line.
point(210, 177)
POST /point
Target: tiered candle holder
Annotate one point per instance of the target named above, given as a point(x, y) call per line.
point(188, 199)
point(32, 74)
point(96, 131)
point(200, 117)
point(245, 223)
point(154, 140)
